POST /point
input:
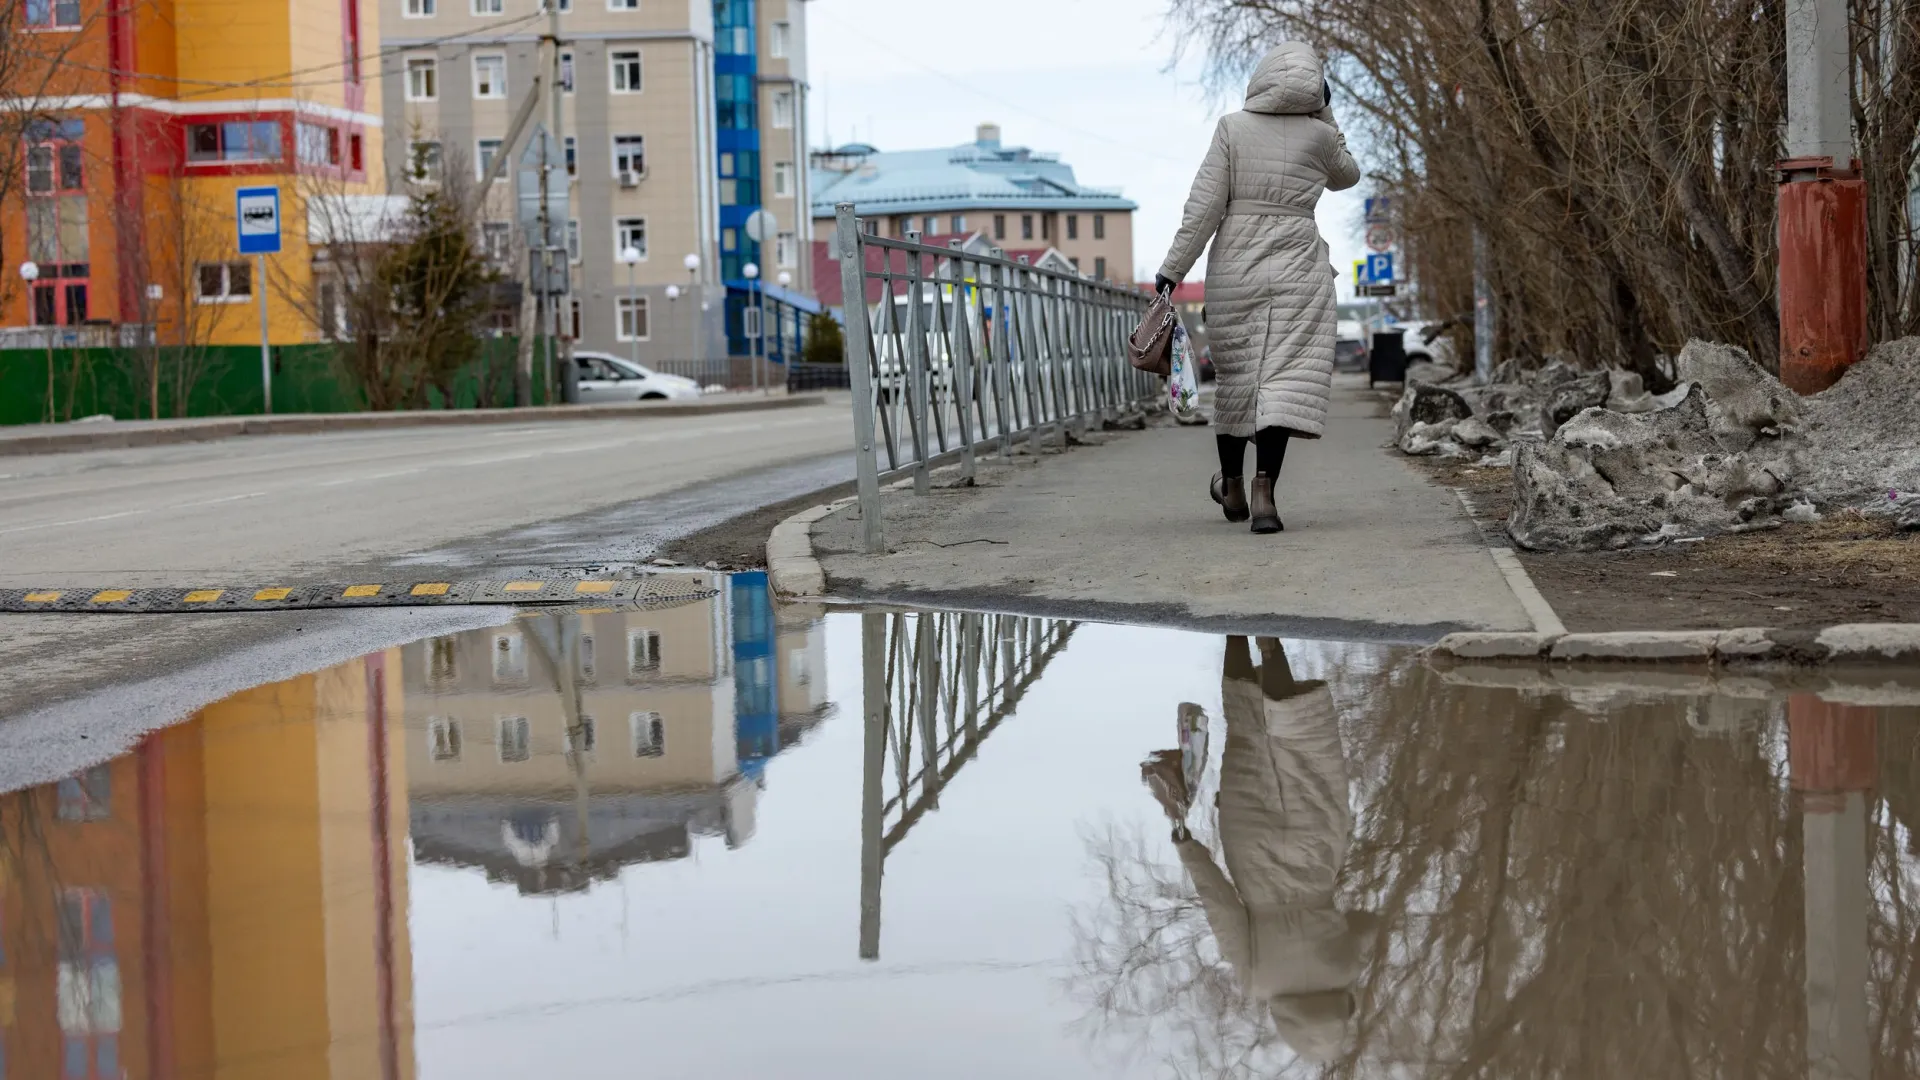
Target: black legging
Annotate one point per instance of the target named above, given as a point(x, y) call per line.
point(1270, 452)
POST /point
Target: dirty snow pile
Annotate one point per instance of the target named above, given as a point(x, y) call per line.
point(1458, 419)
point(1730, 449)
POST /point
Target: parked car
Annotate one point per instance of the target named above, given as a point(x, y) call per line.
point(1349, 346)
point(605, 378)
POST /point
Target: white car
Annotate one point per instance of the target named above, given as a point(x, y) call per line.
point(605, 378)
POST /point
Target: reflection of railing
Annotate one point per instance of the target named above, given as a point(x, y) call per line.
point(936, 685)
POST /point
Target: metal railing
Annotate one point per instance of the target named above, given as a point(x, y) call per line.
point(937, 684)
point(956, 352)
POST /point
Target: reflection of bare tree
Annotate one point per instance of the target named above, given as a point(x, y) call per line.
point(1562, 896)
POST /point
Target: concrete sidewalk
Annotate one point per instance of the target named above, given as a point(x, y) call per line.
point(123, 434)
point(1125, 530)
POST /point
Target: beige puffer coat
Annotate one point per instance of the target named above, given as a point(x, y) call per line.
point(1284, 828)
point(1270, 310)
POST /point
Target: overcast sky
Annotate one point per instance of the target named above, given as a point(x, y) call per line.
point(1088, 79)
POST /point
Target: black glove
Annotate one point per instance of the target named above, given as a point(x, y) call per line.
point(1163, 283)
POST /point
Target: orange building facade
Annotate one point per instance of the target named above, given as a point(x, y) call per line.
point(226, 902)
point(146, 118)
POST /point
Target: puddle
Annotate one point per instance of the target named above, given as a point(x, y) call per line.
point(738, 840)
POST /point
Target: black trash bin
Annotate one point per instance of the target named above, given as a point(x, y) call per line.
point(1388, 360)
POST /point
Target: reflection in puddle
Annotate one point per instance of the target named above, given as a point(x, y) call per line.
point(587, 844)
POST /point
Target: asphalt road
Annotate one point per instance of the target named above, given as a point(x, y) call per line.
point(426, 503)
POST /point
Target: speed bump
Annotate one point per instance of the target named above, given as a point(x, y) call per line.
point(657, 590)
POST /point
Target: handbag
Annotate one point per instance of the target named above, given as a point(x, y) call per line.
point(1150, 346)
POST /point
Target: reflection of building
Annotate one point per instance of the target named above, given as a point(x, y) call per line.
point(227, 900)
point(554, 750)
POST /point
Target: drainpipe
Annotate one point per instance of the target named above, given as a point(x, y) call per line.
point(129, 230)
point(1822, 205)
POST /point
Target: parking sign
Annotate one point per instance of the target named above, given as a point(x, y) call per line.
point(257, 211)
point(1380, 268)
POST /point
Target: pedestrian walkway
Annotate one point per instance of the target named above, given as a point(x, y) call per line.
point(1125, 531)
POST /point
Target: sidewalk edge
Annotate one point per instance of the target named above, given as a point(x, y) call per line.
point(792, 569)
point(1845, 644)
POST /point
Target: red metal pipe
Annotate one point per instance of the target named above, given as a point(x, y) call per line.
point(376, 665)
point(1823, 272)
point(156, 909)
point(1831, 748)
point(127, 200)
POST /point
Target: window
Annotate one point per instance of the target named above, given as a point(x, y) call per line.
point(785, 247)
point(1099, 226)
point(783, 179)
point(630, 232)
point(1073, 226)
point(53, 168)
point(584, 737)
point(573, 240)
point(489, 7)
point(633, 322)
point(589, 659)
point(649, 734)
point(224, 282)
point(53, 14)
point(999, 226)
point(629, 155)
point(516, 739)
point(509, 658)
point(87, 986)
point(425, 160)
point(566, 71)
point(423, 78)
point(626, 70)
point(643, 652)
point(239, 140)
point(1026, 226)
point(490, 76)
point(1046, 226)
point(316, 144)
point(443, 739)
point(356, 153)
point(573, 156)
point(1100, 268)
point(496, 238)
point(623, 5)
point(960, 223)
point(442, 656)
point(729, 239)
point(86, 797)
point(782, 40)
point(932, 226)
point(1075, 260)
point(420, 9)
point(783, 109)
point(484, 152)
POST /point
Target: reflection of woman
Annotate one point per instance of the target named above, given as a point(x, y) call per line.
point(1284, 828)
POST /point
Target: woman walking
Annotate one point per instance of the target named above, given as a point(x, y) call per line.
point(1269, 278)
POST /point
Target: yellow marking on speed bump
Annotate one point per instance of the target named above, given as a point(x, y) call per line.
point(42, 597)
point(595, 587)
point(110, 596)
point(362, 590)
point(273, 594)
point(525, 586)
point(202, 596)
point(436, 588)
point(593, 611)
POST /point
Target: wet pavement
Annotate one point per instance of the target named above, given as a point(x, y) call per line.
point(734, 839)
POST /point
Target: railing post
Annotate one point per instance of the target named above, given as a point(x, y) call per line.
point(914, 357)
point(873, 660)
point(962, 346)
point(853, 294)
point(999, 341)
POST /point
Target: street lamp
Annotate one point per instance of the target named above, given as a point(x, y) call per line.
point(673, 323)
point(752, 271)
point(631, 256)
point(786, 281)
point(30, 273)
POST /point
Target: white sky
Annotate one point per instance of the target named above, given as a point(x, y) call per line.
point(1088, 79)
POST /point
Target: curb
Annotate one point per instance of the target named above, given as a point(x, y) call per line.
point(118, 437)
point(1846, 644)
point(792, 570)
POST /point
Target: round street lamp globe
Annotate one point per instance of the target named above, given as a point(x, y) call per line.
point(752, 270)
point(630, 256)
point(692, 263)
point(29, 270)
point(673, 292)
point(785, 279)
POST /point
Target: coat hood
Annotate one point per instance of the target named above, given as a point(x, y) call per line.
point(1289, 81)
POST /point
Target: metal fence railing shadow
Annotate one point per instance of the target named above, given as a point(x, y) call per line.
point(952, 352)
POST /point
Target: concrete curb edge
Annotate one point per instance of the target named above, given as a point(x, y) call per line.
point(1858, 644)
point(792, 569)
point(117, 437)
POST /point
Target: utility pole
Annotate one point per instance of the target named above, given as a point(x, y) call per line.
point(562, 352)
point(1833, 768)
point(1483, 312)
point(1822, 206)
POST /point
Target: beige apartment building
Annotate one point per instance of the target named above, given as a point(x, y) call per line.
point(1024, 201)
point(679, 120)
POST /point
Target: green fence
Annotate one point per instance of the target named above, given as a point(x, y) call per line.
point(221, 381)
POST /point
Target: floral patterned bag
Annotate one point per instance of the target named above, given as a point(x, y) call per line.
point(1183, 385)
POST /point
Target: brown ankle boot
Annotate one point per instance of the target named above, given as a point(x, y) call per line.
point(1266, 517)
point(1231, 494)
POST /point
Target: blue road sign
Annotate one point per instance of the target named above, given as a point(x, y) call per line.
point(1379, 209)
point(257, 213)
point(1380, 268)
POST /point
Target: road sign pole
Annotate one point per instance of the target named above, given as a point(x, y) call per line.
point(266, 349)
